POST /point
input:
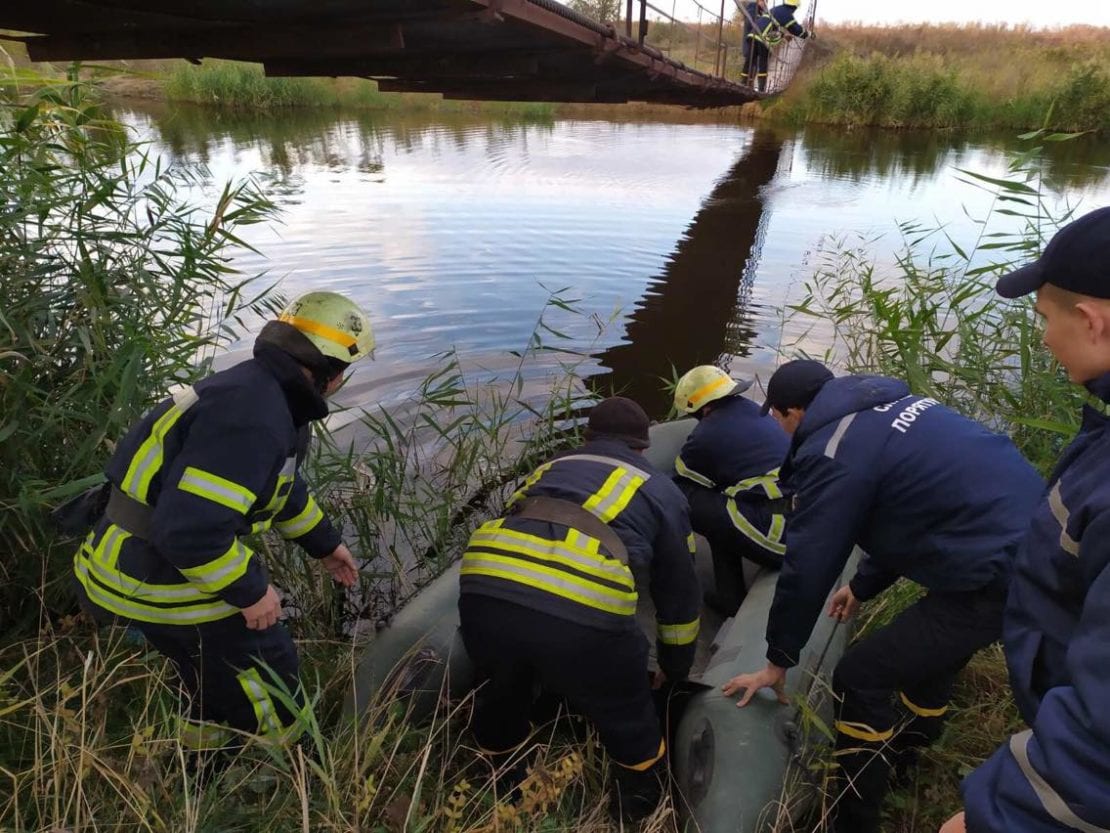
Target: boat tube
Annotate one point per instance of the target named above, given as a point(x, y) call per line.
point(730, 765)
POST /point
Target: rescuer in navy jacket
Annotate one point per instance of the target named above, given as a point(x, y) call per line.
point(1055, 776)
point(926, 494)
point(728, 469)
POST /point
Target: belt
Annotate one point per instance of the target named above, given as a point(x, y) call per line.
point(567, 513)
point(129, 514)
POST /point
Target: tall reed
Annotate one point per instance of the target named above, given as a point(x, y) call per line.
point(111, 289)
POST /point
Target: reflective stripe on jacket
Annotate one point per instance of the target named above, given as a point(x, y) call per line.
point(1057, 640)
point(216, 462)
point(566, 573)
point(770, 28)
point(737, 451)
point(926, 493)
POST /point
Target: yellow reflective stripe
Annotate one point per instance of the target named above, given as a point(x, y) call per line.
point(582, 542)
point(694, 398)
point(772, 541)
point(684, 470)
point(555, 552)
point(556, 582)
point(306, 325)
point(679, 634)
point(265, 712)
point(645, 765)
point(921, 711)
point(217, 489)
point(202, 736)
point(303, 522)
point(101, 562)
point(691, 543)
point(614, 495)
point(217, 574)
point(130, 608)
point(148, 459)
point(769, 482)
point(530, 482)
point(861, 731)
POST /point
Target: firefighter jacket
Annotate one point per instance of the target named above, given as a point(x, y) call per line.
point(563, 572)
point(783, 16)
point(771, 26)
point(1057, 639)
point(737, 451)
point(216, 462)
point(926, 493)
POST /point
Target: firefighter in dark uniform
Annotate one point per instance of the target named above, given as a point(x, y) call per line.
point(749, 13)
point(728, 469)
point(926, 494)
point(203, 470)
point(1055, 775)
point(548, 599)
point(769, 30)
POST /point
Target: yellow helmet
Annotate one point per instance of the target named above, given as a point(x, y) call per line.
point(335, 324)
point(702, 385)
point(792, 2)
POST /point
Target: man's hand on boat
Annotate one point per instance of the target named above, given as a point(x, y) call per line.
point(772, 677)
point(843, 604)
point(341, 565)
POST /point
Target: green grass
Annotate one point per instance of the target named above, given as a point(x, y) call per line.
point(235, 84)
point(954, 77)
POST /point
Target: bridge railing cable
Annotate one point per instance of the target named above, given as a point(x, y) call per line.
point(721, 54)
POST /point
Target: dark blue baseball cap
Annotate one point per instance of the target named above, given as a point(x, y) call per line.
point(1077, 259)
point(795, 384)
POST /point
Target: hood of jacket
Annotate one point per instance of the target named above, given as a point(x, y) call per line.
point(846, 395)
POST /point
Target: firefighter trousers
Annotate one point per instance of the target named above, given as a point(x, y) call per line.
point(709, 516)
point(894, 687)
point(602, 674)
point(232, 678)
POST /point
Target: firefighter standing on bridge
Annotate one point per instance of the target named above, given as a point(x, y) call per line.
point(766, 33)
point(927, 494)
point(548, 598)
point(728, 469)
point(200, 472)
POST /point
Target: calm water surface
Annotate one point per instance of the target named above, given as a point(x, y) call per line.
point(681, 242)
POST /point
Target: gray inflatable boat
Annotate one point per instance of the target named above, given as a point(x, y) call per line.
point(731, 765)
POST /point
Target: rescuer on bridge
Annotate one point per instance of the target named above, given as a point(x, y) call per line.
point(728, 469)
point(926, 494)
point(767, 32)
point(212, 464)
point(548, 599)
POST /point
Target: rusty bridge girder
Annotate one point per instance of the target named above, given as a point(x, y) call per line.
point(506, 50)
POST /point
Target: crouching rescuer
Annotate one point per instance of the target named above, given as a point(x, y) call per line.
point(203, 470)
point(548, 601)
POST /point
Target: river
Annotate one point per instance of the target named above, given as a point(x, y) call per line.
point(680, 241)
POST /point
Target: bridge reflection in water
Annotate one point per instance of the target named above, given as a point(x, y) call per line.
point(699, 311)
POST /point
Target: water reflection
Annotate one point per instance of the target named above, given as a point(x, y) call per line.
point(699, 310)
point(916, 157)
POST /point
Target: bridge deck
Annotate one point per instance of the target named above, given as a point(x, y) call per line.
point(519, 50)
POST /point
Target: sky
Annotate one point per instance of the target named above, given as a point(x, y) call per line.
point(889, 12)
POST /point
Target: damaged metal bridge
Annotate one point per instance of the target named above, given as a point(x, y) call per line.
point(505, 50)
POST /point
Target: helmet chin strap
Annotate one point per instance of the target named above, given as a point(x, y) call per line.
point(292, 341)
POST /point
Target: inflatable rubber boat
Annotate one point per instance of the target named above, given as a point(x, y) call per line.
point(730, 765)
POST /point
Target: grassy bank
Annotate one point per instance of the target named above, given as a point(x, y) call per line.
point(934, 319)
point(954, 77)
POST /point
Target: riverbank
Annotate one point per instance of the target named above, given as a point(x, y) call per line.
point(947, 76)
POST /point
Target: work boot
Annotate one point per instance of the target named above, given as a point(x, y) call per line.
point(635, 795)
